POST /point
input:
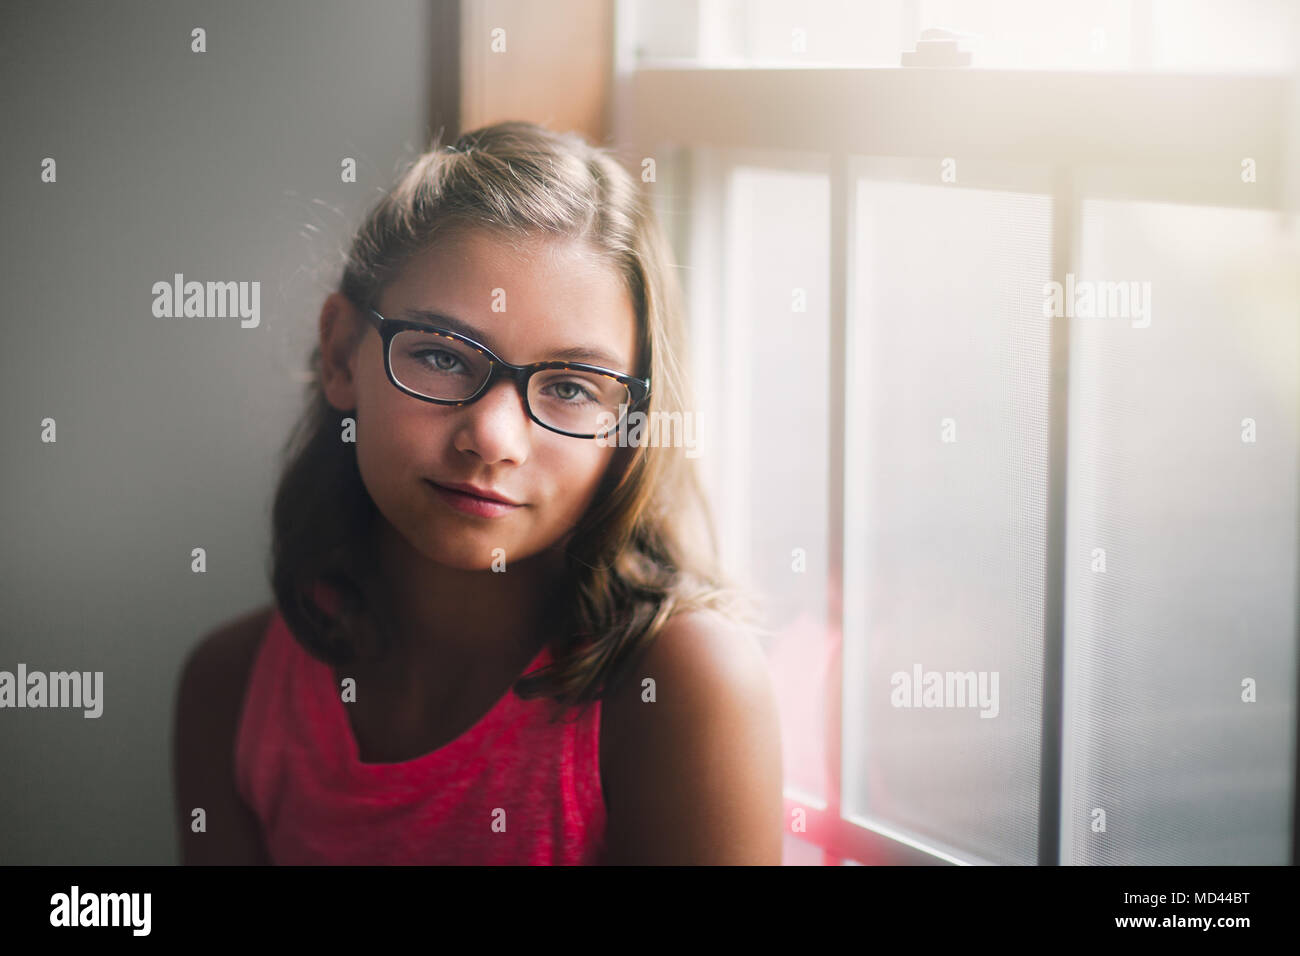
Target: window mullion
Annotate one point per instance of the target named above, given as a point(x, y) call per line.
point(1065, 218)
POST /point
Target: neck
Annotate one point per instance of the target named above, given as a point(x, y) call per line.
point(440, 617)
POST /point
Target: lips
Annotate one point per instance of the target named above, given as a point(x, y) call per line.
point(476, 505)
point(486, 494)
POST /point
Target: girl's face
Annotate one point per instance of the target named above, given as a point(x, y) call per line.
point(552, 296)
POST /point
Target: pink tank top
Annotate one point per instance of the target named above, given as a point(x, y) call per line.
point(512, 790)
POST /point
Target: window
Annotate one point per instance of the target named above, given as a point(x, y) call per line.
point(925, 473)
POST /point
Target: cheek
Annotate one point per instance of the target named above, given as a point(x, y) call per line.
point(386, 436)
point(577, 479)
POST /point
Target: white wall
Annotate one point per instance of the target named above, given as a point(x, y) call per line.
point(223, 166)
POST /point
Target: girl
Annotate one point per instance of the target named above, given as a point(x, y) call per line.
point(499, 637)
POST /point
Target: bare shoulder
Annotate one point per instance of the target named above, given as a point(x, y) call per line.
point(703, 656)
point(215, 674)
point(228, 650)
point(692, 764)
point(209, 698)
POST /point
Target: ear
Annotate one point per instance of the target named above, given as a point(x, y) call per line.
point(339, 335)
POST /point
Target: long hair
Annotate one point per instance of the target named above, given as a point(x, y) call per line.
point(646, 548)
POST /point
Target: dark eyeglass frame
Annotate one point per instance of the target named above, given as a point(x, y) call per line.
point(638, 388)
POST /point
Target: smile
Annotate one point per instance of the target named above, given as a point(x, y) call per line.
point(472, 504)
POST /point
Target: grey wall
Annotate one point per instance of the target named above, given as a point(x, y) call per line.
point(223, 166)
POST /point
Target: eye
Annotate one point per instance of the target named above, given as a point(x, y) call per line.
point(578, 393)
point(443, 361)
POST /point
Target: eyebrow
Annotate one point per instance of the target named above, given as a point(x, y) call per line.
point(574, 353)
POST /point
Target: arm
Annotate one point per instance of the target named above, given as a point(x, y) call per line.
point(208, 702)
point(695, 777)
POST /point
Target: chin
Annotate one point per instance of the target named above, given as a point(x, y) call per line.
point(472, 549)
point(467, 556)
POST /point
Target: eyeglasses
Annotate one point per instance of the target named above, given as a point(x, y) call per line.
point(446, 368)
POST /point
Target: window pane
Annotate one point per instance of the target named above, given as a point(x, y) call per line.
point(1238, 36)
point(1037, 34)
point(768, 471)
point(945, 539)
point(769, 32)
point(1182, 543)
point(1178, 35)
point(796, 852)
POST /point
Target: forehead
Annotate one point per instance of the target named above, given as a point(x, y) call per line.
point(528, 300)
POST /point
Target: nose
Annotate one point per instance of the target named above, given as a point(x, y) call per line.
point(496, 427)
